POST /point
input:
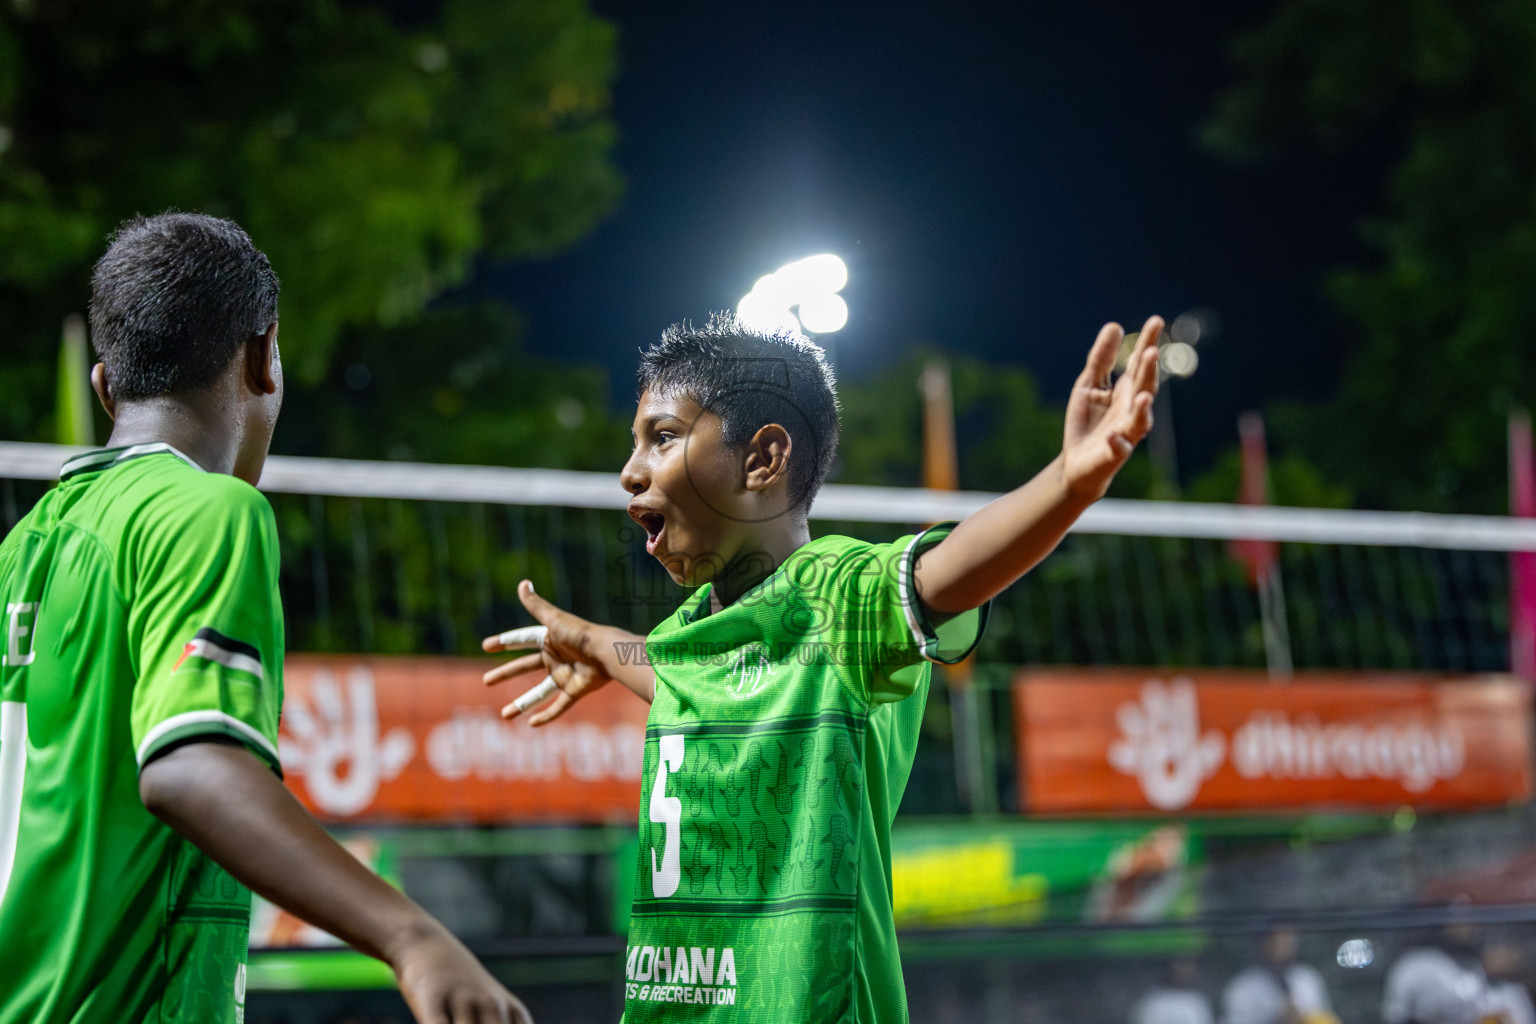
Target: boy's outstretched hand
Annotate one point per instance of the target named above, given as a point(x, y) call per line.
point(580, 656)
point(1006, 538)
point(1107, 418)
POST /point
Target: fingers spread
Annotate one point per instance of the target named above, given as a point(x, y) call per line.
point(1101, 357)
point(515, 667)
point(534, 697)
point(516, 639)
point(536, 605)
point(1130, 428)
point(1141, 369)
point(557, 707)
point(1152, 333)
point(1141, 416)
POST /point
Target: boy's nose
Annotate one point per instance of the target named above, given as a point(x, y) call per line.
point(634, 475)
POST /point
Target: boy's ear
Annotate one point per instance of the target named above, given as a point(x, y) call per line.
point(260, 361)
point(768, 457)
point(103, 390)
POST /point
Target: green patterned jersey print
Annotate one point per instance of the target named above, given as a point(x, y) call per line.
point(777, 750)
point(141, 611)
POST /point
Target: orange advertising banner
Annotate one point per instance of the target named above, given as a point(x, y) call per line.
point(421, 740)
point(1153, 741)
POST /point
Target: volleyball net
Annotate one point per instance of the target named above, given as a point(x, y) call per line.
point(411, 558)
point(398, 558)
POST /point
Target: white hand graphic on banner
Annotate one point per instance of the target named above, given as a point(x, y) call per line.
point(1162, 746)
point(335, 744)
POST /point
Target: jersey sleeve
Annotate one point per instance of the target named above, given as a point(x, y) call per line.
point(885, 620)
point(205, 621)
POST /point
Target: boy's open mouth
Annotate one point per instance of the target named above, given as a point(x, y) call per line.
point(653, 523)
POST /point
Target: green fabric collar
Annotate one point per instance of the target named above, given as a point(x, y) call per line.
point(107, 458)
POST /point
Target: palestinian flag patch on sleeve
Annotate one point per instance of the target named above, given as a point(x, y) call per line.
point(211, 645)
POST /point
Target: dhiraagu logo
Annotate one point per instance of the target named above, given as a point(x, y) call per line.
point(750, 673)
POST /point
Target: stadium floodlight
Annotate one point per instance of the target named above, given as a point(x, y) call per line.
point(824, 274)
point(809, 285)
point(823, 314)
point(1179, 359)
point(774, 288)
point(1176, 353)
point(760, 312)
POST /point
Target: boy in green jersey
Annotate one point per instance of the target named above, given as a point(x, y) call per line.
point(141, 658)
point(787, 691)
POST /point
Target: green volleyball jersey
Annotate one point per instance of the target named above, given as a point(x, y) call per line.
point(777, 749)
point(141, 611)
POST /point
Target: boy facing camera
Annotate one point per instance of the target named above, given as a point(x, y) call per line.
point(787, 691)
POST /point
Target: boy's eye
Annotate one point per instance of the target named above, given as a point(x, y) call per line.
point(663, 436)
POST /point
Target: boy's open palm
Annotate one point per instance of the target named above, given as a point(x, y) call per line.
point(1107, 418)
point(567, 654)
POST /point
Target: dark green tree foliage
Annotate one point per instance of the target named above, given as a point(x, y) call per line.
point(1447, 318)
point(1293, 481)
point(456, 385)
point(371, 163)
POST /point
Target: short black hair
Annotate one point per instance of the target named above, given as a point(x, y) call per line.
point(751, 378)
point(173, 299)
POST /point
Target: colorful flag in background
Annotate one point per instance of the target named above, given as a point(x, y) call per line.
point(941, 472)
point(1262, 557)
point(1522, 564)
point(1259, 556)
point(74, 401)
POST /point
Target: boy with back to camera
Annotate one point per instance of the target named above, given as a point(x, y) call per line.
point(141, 660)
point(787, 691)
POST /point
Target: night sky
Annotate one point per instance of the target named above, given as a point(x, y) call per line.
point(1000, 178)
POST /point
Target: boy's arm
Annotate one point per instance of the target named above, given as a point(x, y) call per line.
point(990, 549)
point(580, 656)
point(228, 804)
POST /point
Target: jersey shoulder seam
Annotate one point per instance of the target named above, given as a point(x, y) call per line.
point(849, 686)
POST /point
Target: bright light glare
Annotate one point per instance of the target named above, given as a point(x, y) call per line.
point(759, 311)
point(1179, 359)
point(824, 314)
point(815, 275)
point(1186, 327)
point(811, 285)
point(1356, 953)
point(775, 289)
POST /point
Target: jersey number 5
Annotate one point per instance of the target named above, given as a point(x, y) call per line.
point(667, 811)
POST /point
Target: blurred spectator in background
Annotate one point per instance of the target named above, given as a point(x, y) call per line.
point(1508, 1000)
point(1280, 990)
point(1428, 986)
point(1452, 986)
point(1176, 1001)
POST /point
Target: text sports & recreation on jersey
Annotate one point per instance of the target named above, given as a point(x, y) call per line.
point(777, 749)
